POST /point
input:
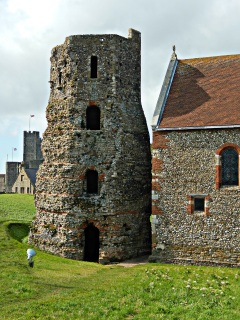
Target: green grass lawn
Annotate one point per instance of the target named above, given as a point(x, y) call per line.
point(58, 288)
point(17, 207)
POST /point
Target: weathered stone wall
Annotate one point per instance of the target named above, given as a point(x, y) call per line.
point(184, 164)
point(12, 171)
point(2, 182)
point(119, 151)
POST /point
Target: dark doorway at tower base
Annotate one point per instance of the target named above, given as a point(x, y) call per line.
point(91, 249)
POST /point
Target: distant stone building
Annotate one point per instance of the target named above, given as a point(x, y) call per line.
point(26, 180)
point(32, 158)
point(195, 165)
point(93, 193)
point(32, 153)
point(12, 171)
point(2, 182)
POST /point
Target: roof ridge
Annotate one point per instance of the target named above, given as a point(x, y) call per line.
point(227, 56)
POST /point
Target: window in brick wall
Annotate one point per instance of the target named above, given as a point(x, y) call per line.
point(198, 203)
point(227, 165)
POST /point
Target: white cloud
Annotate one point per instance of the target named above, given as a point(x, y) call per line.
point(29, 29)
point(32, 16)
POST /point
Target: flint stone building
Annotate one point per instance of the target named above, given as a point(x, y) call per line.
point(195, 165)
point(93, 194)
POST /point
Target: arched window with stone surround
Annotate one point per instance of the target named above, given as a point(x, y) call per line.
point(93, 118)
point(227, 165)
point(92, 181)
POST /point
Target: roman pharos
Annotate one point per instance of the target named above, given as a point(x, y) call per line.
point(93, 190)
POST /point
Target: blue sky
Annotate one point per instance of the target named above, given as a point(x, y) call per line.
point(30, 29)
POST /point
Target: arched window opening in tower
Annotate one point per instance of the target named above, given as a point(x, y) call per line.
point(94, 64)
point(92, 181)
point(93, 118)
point(60, 78)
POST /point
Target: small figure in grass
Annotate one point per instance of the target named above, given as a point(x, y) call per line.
point(30, 253)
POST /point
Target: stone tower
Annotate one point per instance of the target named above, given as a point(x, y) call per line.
point(32, 154)
point(93, 194)
point(32, 158)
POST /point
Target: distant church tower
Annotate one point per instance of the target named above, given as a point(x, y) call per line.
point(32, 158)
point(32, 154)
point(93, 193)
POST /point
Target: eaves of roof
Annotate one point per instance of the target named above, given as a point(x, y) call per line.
point(197, 128)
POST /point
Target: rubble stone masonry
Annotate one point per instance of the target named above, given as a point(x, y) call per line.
point(185, 167)
point(93, 190)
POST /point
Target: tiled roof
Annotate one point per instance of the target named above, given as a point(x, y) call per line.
point(204, 92)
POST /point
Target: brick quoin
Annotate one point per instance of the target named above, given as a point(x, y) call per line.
point(159, 140)
point(156, 211)
point(207, 199)
point(156, 186)
point(218, 169)
point(156, 165)
point(190, 206)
